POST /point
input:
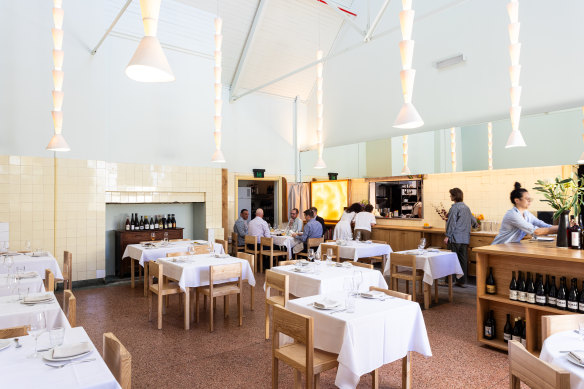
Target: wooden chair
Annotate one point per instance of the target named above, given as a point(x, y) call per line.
point(178, 240)
point(361, 264)
point(235, 247)
point(162, 288)
point(199, 249)
point(249, 258)
point(177, 254)
point(70, 307)
point(49, 281)
point(324, 249)
point(558, 323)
point(535, 373)
point(300, 355)
point(312, 243)
point(67, 270)
point(410, 274)
point(379, 258)
point(223, 243)
point(280, 283)
point(252, 240)
point(13, 332)
point(118, 360)
point(222, 273)
point(290, 262)
point(267, 249)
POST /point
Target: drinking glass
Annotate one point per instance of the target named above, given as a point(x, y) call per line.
point(37, 326)
point(211, 248)
point(27, 245)
point(329, 260)
point(8, 262)
point(350, 303)
point(581, 330)
point(2, 246)
point(7, 246)
point(166, 238)
point(329, 253)
point(317, 256)
point(191, 249)
point(57, 336)
point(152, 235)
point(358, 236)
point(357, 281)
point(317, 266)
point(22, 292)
point(20, 270)
point(310, 254)
point(422, 244)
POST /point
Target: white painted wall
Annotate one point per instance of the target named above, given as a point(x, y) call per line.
point(348, 161)
point(109, 117)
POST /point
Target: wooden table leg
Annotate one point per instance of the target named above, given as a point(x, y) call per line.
point(132, 270)
point(426, 295)
point(146, 276)
point(187, 308)
point(436, 291)
point(407, 371)
point(450, 288)
point(375, 379)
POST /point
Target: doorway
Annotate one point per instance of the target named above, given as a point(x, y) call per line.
point(262, 193)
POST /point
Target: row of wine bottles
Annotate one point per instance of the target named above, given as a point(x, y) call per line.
point(517, 331)
point(158, 222)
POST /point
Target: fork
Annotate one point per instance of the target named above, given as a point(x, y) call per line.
point(338, 310)
point(70, 363)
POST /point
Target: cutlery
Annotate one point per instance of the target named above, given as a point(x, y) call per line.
point(570, 351)
point(338, 310)
point(44, 349)
point(70, 363)
point(16, 344)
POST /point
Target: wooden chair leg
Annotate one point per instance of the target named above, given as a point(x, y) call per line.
point(211, 316)
point(146, 276)
point(197, 305)
point(160, 307)
point(297, 379)
point(186, 308)
point(150, 301)
point(225, 307)
point(261, 263)
point(240, 309)
point(132, 270)
point(436, 291)
point(407, 371)
point(252, 296)
point(450, 288)
point(317, 381)
point(375, 379)
point(192, 304)
point(275, 373)
point(426, 296)
point(267, 321)
point(408, 289)
point(514, 382)
point(414, 296)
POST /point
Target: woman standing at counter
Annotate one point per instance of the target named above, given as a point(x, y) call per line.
point(363, 223)
point(343, 227)
point(518, 221)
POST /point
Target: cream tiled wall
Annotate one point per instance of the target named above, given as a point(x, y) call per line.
point(83, 189)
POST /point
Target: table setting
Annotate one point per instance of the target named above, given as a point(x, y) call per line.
point(20, 309)
point(37, 261)
point(354, 249)
point(566, 350)
point(434, 262)
point(10, 283)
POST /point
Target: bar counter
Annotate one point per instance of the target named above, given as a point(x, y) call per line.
point(527, 256)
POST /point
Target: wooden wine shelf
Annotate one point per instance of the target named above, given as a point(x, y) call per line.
point(505, 300)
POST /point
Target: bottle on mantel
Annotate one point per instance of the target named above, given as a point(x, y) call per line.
point(573, 296)
point(173, 221)
point(508, 330)
point(546, 288)
point(513, 288)
point(489, 331)
point(553, 293)
point(146, 224)
point(581, 301)
point(530, 293)
point(524, 334)
point(168, 221)
point(521, 289)
point(568, 231)
point(141, 223)
point(540, 298)
point(127, 224)
point(151, 223)
point(491, 288)
point(562, 298)
point(156, 225)
point(575, 234)
point(517, 330)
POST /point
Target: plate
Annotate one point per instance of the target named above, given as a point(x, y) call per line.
point(334, 305)
point(372, 295)
point(301, 270)
point(427, 227)
point(4, 343)
point(48, 356)
point(545, 239)
point(575, 362)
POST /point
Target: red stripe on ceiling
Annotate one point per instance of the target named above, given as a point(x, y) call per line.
point(342, 9)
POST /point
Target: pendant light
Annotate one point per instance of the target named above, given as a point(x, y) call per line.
point(515, 138)
point(408, 117)
point(581, 160)
point(490, 143)
point(218, 155)
point(405, 169)
point(453, 148)
point(319, 111)
point(149, 64)
point(58, 142)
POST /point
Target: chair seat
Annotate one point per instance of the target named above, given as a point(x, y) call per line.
point(295, 355)
point(168, 288)
point(220, 290)
point(419, 273)
point(275, 300)
point(275, 253)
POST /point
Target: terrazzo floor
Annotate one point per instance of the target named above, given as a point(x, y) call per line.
point(240, 357)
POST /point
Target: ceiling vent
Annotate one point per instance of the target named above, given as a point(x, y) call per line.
point(448, 62)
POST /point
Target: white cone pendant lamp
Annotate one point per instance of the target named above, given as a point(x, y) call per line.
point(405, 169)
point(408, 117)
point(319, 112)
point(218, 154)
point(149, 64)
point(58, 142)
point(515, 138)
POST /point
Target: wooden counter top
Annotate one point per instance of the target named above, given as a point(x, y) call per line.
point(432, 230)
point(533, 249)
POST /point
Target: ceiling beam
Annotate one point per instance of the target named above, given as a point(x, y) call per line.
point(124, 8)
point(343, 13)
point(251, 36)
point(376, 21)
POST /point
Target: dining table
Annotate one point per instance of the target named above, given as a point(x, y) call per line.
point(378, 332)
point(354, 250)
point(285, 241)
point(32, 261)
point(322, 278)
point(30, 281)
point(19, 371)
point(13, 312)
point(555, 350)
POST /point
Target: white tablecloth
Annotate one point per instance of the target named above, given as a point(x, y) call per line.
point(13, 313)
point(143, 254)
point(550, 352)
point(354, 250)
point(434, 264)
point(34, 285)
point(285, 241)
point(18, 371)
point(329, 280)
point(193, 271)
point(379, 332)
point(38, 264)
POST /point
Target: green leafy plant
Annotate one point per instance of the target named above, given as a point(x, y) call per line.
point(562, 194)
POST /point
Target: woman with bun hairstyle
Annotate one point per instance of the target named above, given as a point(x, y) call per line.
point(343, 227)
point(518, 221)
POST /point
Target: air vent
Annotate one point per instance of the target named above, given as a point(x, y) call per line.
point(448, 62)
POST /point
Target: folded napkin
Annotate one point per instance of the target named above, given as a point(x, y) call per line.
point(38, 299)
point(71, 350)
point(373, 294)
point(28, 274)
point(40, 254)
point(578, 356)
point(326, 303)
point(222, 255)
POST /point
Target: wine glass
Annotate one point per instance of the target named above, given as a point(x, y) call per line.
point(211, 248)
point(191, 249)
point(27, 245)
point(347, 285)
point(422, 244)
point(8, 262)
point(311, 254)
point(358, 236)
point(165, 238)
point(37, 327)
point(2, 246)
point(357, 281)
point(152, 236)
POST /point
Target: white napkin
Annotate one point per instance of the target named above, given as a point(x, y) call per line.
point(40, 254)
point(38, 299)
point(28, 274)
point(71, 350)
point(578, 356)
point(373, 294)
point(326, 303)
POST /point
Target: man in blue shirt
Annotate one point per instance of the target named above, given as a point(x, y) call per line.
point(240, 227)
point(312, 229)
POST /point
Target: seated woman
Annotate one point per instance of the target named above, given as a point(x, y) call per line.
point(343, 227)
point(518, 221)
point(363, 223)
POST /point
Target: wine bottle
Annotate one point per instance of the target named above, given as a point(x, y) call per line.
point(151, 223)
point(146, 224)
point(127, 224)
point(553, 293)
point(575, 232)
point(521, 289)
point(173, 221)
point(569, 231)
point(546, 288)
point(489, 332)
point(530, 295)
point(540, 298)
point(132, 223)
point(141, 222)
point(169, 222)
point(562, 298)
point(517, 330)
point(156, 225)
point(491, 287)
point(508, 330)
point(581, 301)
point(513, 288)
point(524, 334)
point(573, 296)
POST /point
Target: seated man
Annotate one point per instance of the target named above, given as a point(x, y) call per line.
point(295, 223)
point(240, 227)
point(312, 229)
point(319, 219)
point(258, 226)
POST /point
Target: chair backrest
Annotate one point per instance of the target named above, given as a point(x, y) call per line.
point(392, 293)
point(526, 367)
point(118, 360)
point(67, 270)
point(13, 332)
point(224, 244)
point(251, 239)
point(199, 249)
point(558, 323)
point(234, 239)
point(49, 281)
point(298, 327)
point(224, 272)
point(155, 271)
point(278, 281)
point(249, 258)
point(379, 241)
point(269, 242)
point(361, 264)
point(315, 242)
point(324, 249)
point(177, 254)
point(290, 262)
point(180, 240)
point(70, 307)
point(402, 260)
